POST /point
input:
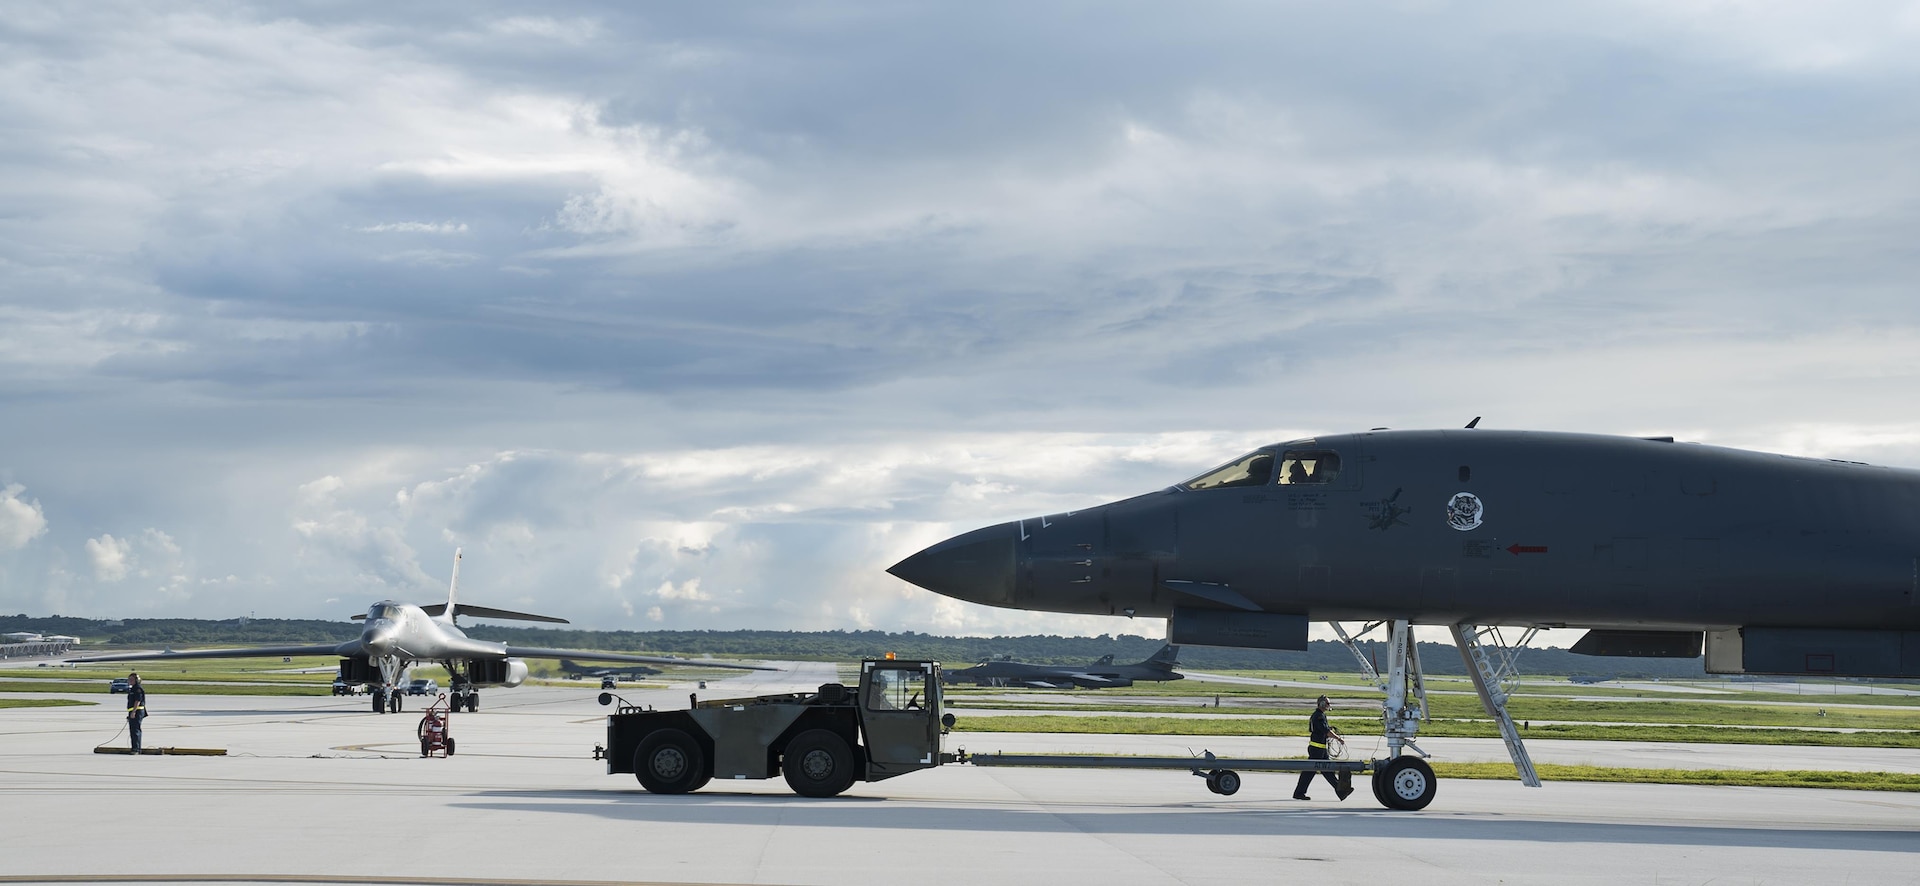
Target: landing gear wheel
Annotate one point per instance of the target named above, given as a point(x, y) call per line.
point(818, 763)
point(1226, 782)
point(1379, 783)
point(473, 702)
point(449, 745)
point(669, 761)
point(393, 703)
point(1407, 783)
point(1213, 781)
point(379, 702)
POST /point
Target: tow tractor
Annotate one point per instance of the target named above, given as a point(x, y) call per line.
point(891, 724)
point(822, 741)
point(435, 729)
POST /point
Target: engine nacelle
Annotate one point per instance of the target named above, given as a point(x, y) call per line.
point(501, 672)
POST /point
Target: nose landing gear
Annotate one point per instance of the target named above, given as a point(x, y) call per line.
point(386, 700)
point(1407, 781)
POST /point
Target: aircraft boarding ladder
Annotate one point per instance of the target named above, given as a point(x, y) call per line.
point(1489, 660)
point(1493, 680)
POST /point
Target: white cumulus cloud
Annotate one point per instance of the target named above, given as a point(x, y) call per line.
point(20, 521)
point(112, 557)
point(414, 228)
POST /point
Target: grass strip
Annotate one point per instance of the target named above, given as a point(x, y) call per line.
point(212, 670)
point(1284, 727)
point(1460, 690)
point(162, 689)
point(1754, 778)
point(1809, 715)
point(41, 702)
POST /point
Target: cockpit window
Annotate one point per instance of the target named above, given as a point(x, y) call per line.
point(383, 610)
point(1309, 466)
point(897, 689)
point(1253, 469)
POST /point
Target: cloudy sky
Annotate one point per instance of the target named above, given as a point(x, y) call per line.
point(701, 315)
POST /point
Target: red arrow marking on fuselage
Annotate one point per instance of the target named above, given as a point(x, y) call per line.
point(1517, 550)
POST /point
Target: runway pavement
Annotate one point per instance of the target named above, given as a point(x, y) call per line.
point(320, 790)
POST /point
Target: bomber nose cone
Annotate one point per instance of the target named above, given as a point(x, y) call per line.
point(378, 639)
point(977, 566)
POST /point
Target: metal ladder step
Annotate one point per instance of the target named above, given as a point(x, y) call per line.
point(1486, 681)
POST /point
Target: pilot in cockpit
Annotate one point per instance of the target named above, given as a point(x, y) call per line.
point(1296, 472)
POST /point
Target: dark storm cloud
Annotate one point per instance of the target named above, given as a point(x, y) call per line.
point(703, 312)
point(841, 104)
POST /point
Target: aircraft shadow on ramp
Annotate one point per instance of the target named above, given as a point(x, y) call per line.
point(1220, 818)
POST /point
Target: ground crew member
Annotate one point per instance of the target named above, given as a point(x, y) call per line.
point(136, 708)
point(1318, 731)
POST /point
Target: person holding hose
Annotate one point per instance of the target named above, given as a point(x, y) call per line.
point(1318, 733)
point(136, 708)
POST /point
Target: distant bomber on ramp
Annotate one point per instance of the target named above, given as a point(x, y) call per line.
point(1099, 675)
point(1769, 563)
point(397, 636)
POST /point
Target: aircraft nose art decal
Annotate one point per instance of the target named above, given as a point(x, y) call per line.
point(1385, 513)
point(1465, 512)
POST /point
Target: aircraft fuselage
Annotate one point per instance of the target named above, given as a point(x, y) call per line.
point(1480, 527)
point(406, 630)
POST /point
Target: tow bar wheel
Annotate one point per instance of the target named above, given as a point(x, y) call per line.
point(1405, 783)
point(1224, 782)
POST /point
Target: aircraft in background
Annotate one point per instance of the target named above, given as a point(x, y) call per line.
point(1589, 679)
point(398, 636)
point(1099, 675)
point(575, 670)
point(1769, 563)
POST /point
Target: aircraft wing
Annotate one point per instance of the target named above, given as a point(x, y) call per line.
point(1094, 680)
point(472, 611)
point(537, 652)
point(350, 647)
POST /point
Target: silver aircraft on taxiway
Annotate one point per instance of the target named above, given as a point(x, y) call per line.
point(398, 636)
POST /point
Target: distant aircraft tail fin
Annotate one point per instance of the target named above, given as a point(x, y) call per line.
point(446, 611)
point(1166, 659)
point(453, 589)
point(1104, 660)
